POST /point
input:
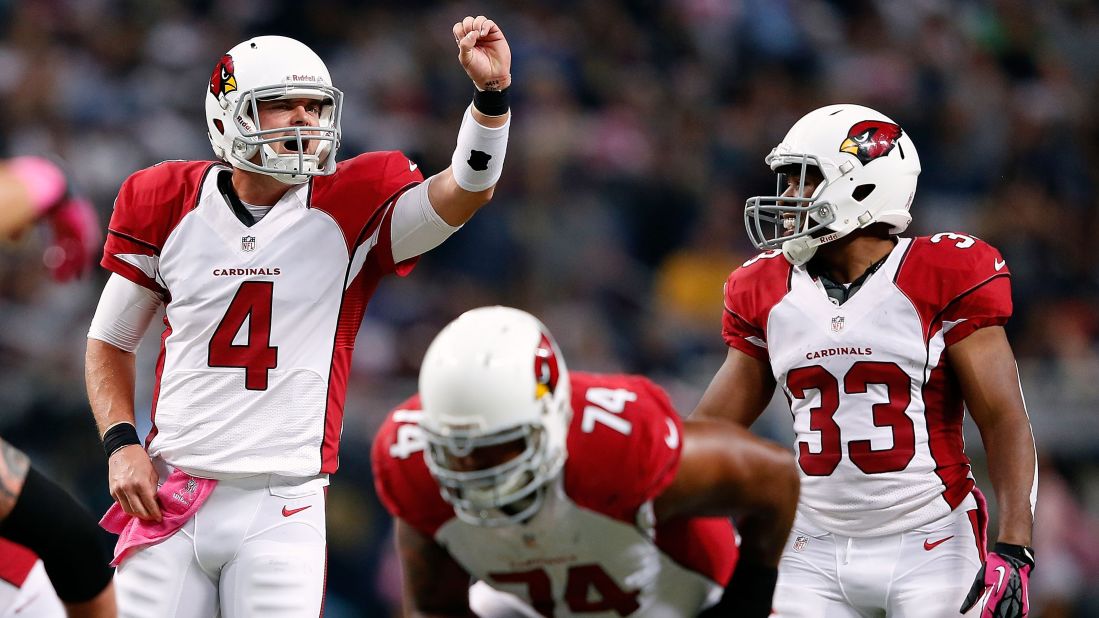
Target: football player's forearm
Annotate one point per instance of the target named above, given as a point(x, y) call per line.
point(1012, 468)
point(109, 375)
point(102, 606)
point(764, 532)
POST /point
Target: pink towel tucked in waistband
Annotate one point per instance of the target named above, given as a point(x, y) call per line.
point(179, 496)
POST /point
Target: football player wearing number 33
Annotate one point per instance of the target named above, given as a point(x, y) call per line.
point(264, 261)
point(565, 493)
point(879, 342)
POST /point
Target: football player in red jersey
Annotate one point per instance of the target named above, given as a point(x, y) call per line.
point(878, 341)
point(567, 493)
point(69, 574)
point(264, 262)
point(72, 578)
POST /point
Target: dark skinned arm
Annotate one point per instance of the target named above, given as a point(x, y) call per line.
point(726, 470)
point(739, 392)
point(435, 585)
point(989, 379)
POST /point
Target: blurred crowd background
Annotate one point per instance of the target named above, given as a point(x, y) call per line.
point(639, 130)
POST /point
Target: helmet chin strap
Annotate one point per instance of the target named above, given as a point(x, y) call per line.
point(289, 163)
point(800, 250)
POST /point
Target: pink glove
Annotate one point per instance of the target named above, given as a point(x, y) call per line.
point(76, 239)
point(1001, 585)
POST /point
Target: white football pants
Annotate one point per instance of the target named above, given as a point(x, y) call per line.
point(920, 573)
point(256, 547)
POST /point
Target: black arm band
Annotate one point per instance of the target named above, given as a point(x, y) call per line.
point(118, 436)
point(49, 522)
point(491, 102)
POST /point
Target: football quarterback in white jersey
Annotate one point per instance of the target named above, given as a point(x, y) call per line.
point(571, 494)
point(879, 343)
point(265, 261)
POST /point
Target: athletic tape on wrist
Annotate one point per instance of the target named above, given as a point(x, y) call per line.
point(491, 102)
point(119, 435)
point(478, 159)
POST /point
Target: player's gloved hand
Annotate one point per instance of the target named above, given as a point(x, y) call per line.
point(748, 594)
point(76, 238)
point(1000, 588)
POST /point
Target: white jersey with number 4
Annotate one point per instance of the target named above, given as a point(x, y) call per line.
point(876, 406)
point(260, 320)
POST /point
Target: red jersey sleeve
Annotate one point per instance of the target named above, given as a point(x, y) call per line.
point(401, 478)
point(750, 293)
point(360, 197)
point(16, 563)
point(150, 204)
point(958, 284)
point(623, 444)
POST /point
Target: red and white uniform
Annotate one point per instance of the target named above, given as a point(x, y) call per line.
point(877, 412)
point(878, 420)
point(260, 320)
point(25, 589)
point(592, 549)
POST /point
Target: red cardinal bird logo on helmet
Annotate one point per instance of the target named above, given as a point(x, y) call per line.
point(871, 139)
point(223, 81)
point(546, 371)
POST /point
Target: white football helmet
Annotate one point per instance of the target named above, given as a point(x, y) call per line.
point(493, 376)
point(266, 68)
point(869, 167)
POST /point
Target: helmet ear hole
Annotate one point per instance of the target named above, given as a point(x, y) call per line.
point(862, 192)
point(219, 125)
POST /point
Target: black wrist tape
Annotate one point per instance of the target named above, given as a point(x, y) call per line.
point(1021, 553)
point(49, 522)
point(491, 102)
point(122, 434)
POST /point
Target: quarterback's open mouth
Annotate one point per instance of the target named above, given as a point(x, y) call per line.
point(292, 145)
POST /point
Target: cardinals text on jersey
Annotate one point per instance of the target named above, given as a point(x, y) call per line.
point(877, 413)
point(260, 320)
point(592, 549)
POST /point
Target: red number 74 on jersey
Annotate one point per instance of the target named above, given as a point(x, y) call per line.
point(580, 580)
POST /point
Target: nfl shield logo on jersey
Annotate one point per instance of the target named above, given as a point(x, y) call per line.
point(837, 323)
point(800, 543)
point(248, 243)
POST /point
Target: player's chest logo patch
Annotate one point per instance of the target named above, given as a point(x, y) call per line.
point(800, 543)
point(837, 323)
point(248, 244)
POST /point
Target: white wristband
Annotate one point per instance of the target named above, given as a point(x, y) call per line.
point(479, 157)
